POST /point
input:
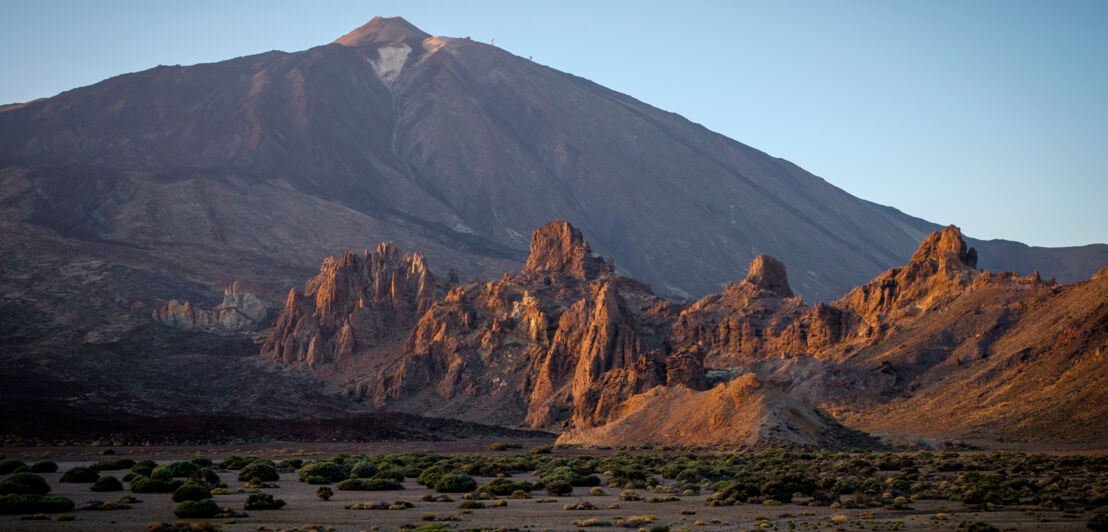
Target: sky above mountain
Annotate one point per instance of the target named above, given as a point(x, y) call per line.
point(989, 115)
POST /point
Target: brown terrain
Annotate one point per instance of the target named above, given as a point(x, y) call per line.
point(931, 349)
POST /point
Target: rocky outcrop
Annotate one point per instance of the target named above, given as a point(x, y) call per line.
point(567, 344)
point(751, 319)
point(558, 248)
point(241, 311)
point(354, 303)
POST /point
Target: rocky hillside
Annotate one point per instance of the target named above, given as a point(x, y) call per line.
point(932, 348)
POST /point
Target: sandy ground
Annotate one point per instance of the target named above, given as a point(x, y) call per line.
point(304, 507)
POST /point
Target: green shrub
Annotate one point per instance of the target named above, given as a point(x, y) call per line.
point(206, 477)
point(9, 465)
point(44, 467)
point(364, 469)
point(471, 505)
point(107, 483)
point(558, 487)
point(113, 464)
point(324, 493)
point(369, 484)
point(235, 463)
point(196, 509)
point(191, 492)
point(180, 468)
point(323, 473)
point(261, 471)
point(455, 483)
point(24, 484)
point(144, 467)
point(978, 526)
point(1098, 522)
point(143, 484)
point(290, 464)
point(392, 473)
point(80, 475)
point(162, 473)
point(202, 461)
point(504, 446)
point(503, 486)
point(542, 449)
point(263, 501)
point(33, 504)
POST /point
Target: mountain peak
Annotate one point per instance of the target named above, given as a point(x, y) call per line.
point(383, 29)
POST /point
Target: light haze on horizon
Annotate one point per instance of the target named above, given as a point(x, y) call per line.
point(990, 115)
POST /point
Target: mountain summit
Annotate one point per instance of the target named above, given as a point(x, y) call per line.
point(383, 29)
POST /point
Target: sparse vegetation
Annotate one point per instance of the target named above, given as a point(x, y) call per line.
point(263, 501)
point(196, 509)
point(141, 484)
point(191, 492)
point(24, 484)
point(44, 467)
point(369, 484)
point(323, 473)
point(107, 483)
point(80, 475)
point(27, 504)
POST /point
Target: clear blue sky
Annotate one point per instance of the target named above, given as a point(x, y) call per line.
point(992, 115)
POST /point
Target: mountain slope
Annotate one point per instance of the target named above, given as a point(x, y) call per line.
point(449, 146)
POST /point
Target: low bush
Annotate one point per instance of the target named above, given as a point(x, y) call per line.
point(202, 461)
point(44, 467)
point(1097, 522)
point(235, 463)
point(10, 465)
point(107, 483)
point(364, 469)
point(324, 493)
point(180, 468)
point(977, 526)
point(79, 475)
point(290, 464)
point(455, 483)
point(143, 484)
point(205, 476)
point(24, 484)
point(369, 484)
point(504, 446)
point(263, 501)
point(503, 486)
point(33, 504)
point(260, 471)
point(471, 505)
point(196, 509)
point(323, 473)
point(191, 492)
point(558, 487)
point(113, 464)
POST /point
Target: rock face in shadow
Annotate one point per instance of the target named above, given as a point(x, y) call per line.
point(568, 344)
point(354, 303)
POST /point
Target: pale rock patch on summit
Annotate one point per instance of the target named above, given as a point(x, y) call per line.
point(390, 61)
